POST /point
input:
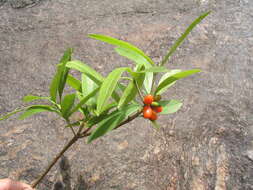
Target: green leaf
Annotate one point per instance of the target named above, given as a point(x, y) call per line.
point(66, 104)
point(171, 106)
point(83, 101)
point(30, 98)
point(83, 68)
point(55, 84)
point(165, 76)
point(74, 83)
point(132, 55)
point(131, 90)
point(91, 73)
point(79, 95)
point(66, 56)
point(175, 77)
point(120, 87)
point(36, 109)
point(155, 69)
point(183, 36)
point(128, 94)
point(107, 88)
point(139, 60)
point(148, 81)
point(95, 120)
point(108, 107)
point(112, 120)
point(122, 44)
point(88, 86)
point(64, 71)
point(3, 117)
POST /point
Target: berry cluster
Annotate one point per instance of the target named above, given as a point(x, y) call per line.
point(151, 108)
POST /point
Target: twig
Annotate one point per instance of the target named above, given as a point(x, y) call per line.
point(73, 131)
point(78, 135)
point(81, 128)
point(66, 147)
point(129, 119)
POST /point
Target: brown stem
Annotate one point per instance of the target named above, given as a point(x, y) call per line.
point(70, 143)
point(129, 119)
point(85, 133)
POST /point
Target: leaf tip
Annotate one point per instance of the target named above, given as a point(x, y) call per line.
point(92, 35)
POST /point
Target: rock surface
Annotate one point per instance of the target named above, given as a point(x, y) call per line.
point(206, 145)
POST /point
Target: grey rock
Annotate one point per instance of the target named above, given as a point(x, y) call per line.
point(249, 154)
point(19, 4)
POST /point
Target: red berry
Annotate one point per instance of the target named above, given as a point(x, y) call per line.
point(147, 112)
point(153, 116)
point(146, 107)
point(148, 99)
point(158, 109)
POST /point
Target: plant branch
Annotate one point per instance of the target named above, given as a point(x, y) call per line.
point(73, 131)
point(70, 126)
point(129, 119)
point(81, 128)
point(66, 147)
point(78, 135)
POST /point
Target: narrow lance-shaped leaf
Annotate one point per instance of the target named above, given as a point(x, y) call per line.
point(83, 68)
point(6, 116)
point(88, 86)
point(107, 88)
point(155, 69)
point(170, 106)
point(183, 36)
point(121, 44)
point(36, 109)
point(55, 84)
point(83, 101)
point(165, 76)
point(30, 98)
point(175, 77)
point(64, 70)
point(130, 92)
point(91, 73)
point(148, 81)
point(96, 119)
point(113, 120)
point(139, 60)
point(66, 104)
point(59, 80)
point(132, 55)
point(74, 83)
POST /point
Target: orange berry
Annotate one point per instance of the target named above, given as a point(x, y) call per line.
point(148, 99)
point(158, 109)
point(153, 116)
point(147, 112)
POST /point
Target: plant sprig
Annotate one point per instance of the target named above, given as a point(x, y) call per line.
point(105, 102)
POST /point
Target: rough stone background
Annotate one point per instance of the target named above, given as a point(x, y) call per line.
point(206, 145)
